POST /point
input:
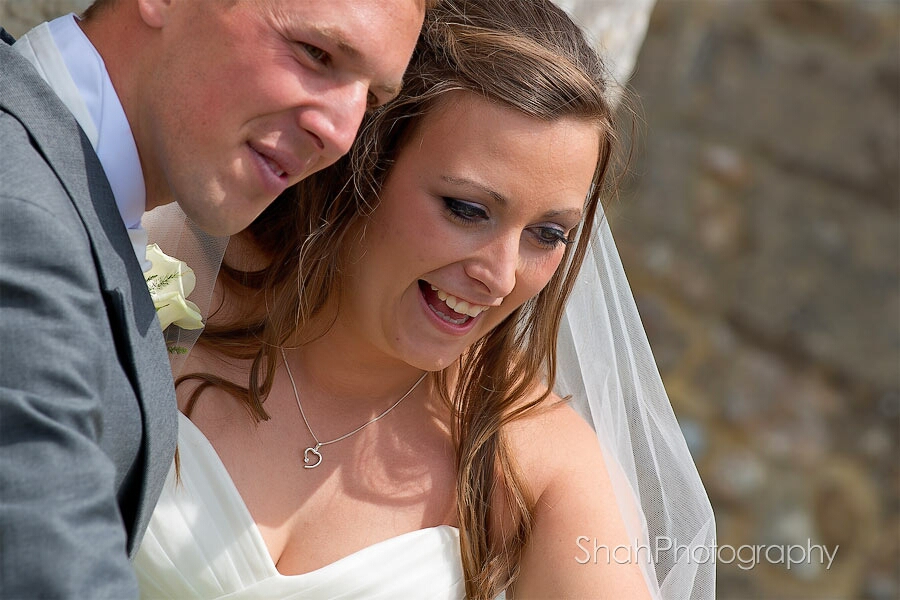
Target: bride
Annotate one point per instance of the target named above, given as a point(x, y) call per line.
point(370, 411)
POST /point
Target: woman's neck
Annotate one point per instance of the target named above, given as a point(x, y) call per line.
point(340, 363)
point(328, 356)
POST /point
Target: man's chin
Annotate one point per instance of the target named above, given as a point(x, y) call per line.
point(217, 221)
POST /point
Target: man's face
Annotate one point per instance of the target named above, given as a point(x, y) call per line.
point(248, 97)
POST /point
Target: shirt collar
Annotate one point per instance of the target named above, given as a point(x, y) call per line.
point(83, 84)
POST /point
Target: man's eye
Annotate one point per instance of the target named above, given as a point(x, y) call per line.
point(314, 52)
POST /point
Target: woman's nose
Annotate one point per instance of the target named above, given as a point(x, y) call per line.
point(496, 265)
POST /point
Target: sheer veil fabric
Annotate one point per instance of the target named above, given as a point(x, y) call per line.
point(178, 236)
point(605, 365)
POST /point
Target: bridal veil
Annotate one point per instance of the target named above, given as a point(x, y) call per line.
point(607, 367)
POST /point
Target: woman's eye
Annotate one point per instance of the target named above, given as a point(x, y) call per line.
point(314, 52)
point(551, 237)
point(464, 210)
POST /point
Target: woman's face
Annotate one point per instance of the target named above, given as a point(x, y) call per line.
point(472, 222)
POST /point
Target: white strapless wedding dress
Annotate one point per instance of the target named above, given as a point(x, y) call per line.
point(203, 543)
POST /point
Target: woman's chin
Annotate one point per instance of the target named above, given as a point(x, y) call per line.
point(434, 359)
point(432, 364)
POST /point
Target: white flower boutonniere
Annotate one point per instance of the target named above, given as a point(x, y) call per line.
point(170, 282)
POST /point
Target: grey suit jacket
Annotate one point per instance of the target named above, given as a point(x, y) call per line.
point(87, 405)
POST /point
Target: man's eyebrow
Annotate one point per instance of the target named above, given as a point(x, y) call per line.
point(336, 36)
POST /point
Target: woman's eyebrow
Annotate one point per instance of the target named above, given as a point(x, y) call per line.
point(574, 213)
point(497, 196)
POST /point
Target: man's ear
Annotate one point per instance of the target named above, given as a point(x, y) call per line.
point(154, 12)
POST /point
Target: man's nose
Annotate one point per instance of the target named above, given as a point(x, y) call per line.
point(337, 119)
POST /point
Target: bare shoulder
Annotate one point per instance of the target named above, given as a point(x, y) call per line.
point(554, 444)
point(579, 495)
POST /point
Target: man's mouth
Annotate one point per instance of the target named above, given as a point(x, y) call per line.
point(279, 172)
point(282, 164)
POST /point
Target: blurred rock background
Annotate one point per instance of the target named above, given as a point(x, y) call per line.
point(760, 228)
point(18, 16)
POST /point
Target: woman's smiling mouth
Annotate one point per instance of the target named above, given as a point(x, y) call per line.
point(448, 307)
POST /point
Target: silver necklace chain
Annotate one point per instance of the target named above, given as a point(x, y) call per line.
point(312, 453)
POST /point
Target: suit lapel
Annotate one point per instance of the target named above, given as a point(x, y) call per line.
point(6, 38)
point(68, 152)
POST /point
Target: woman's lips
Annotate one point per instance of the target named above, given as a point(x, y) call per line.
point(460, 318)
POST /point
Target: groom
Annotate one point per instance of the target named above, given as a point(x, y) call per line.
point(217, 105)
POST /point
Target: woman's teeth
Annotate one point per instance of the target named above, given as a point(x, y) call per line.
point(450, 319)
point(459, 306)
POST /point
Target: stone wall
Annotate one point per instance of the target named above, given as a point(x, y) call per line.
point(760, 228)
point(18, 16)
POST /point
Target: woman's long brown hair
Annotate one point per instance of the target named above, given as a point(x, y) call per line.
point(523, 54)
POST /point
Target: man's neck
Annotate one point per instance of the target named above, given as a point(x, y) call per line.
point(67, 60)
point(118, 34)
